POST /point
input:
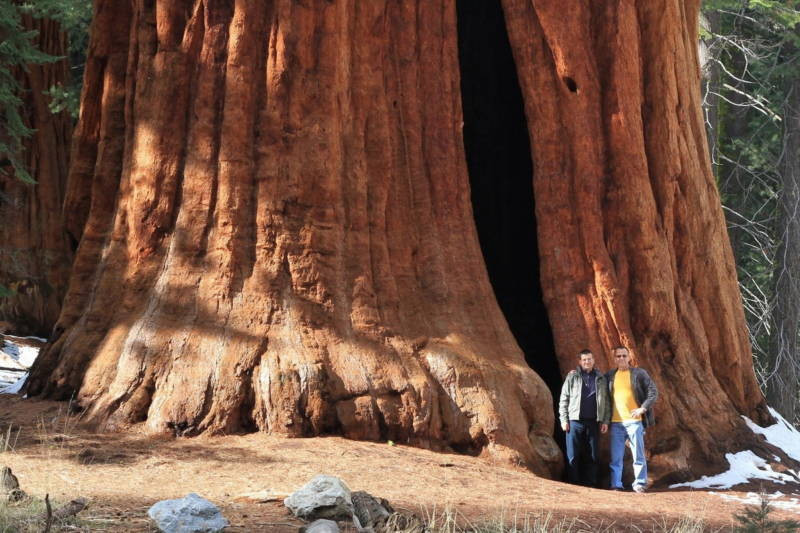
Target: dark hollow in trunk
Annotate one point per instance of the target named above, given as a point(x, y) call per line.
point(500, 169)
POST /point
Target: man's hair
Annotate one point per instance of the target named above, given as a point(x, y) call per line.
point(585, 351)
point(619, 348)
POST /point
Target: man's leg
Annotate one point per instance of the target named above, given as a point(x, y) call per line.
point(635, 431)
point(591, 449)
point(574, 451)
point(618, 436)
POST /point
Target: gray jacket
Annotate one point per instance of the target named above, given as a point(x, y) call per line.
point(569, 404)
point(644, 391)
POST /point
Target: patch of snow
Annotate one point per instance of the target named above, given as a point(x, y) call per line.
point(25, 338)
point(24, 355)
point(15, 387)
point(745, 466)
point(14, 354)
point(789, 504)
point(782, 434)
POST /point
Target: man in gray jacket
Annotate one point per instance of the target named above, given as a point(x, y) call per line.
point(584, 404)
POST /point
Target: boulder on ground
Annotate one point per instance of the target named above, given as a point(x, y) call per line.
point(322, 497)
point(370, 512)
point(191, 514)
point(321, 526)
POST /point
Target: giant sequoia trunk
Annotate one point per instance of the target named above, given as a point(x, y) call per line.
point(279, 233)
point(632, 239)
point(35, 253)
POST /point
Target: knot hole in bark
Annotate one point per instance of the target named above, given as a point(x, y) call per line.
point(570, 83)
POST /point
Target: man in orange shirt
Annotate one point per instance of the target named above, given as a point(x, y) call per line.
point(633, 394)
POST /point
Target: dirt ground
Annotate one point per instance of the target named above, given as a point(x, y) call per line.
point(124, 474)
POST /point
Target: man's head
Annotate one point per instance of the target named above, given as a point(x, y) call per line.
point(586, 360)
point(622, 357)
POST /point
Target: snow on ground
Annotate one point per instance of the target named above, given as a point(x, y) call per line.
point(791, 503)
point(20, 352)
point(16, 356)
point(782, 434)
point(746, 466)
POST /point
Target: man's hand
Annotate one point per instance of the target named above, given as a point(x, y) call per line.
point(639, 411)
point(603, 428)
point(565, 426)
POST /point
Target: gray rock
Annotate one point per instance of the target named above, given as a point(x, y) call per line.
point(191, 514)
point(322, 497)
point(370, 511)
point(321, 526)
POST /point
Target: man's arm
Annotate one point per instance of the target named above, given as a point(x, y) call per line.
point(563, 402)
point(652, 391)
point(606, 399)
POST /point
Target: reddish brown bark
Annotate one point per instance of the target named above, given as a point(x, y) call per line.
point(280, 234)
point(35, 255)
point(632, 239)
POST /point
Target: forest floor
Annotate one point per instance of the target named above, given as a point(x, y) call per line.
point(123, 474)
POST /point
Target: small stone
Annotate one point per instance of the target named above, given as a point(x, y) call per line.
point(322, 497)
point(191, 514)
point(16, 495)
point(321, 526)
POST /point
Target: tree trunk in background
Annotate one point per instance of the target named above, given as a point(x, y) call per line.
point(35, 254)
point(280, 234)
point(632, 238)
point(783, 378)
point(279, 231)
point(734, 180)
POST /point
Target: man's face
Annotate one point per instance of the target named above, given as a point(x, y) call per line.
point(587, 362)
point(622, 358)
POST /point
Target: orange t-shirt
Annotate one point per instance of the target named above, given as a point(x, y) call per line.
point(624, 401)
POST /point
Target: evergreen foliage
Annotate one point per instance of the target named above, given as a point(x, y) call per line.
point(752, 59)
point(757, 520)
point(17, 51)
point(74, 16)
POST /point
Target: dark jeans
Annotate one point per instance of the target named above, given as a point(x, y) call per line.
point(582, 452)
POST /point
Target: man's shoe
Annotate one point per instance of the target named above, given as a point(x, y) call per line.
point(639, 488)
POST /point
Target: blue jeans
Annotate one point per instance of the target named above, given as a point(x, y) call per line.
point(633, 432)
point(582, 452)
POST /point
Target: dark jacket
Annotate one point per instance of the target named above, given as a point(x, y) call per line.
point(644, 391)
point(569, 404)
